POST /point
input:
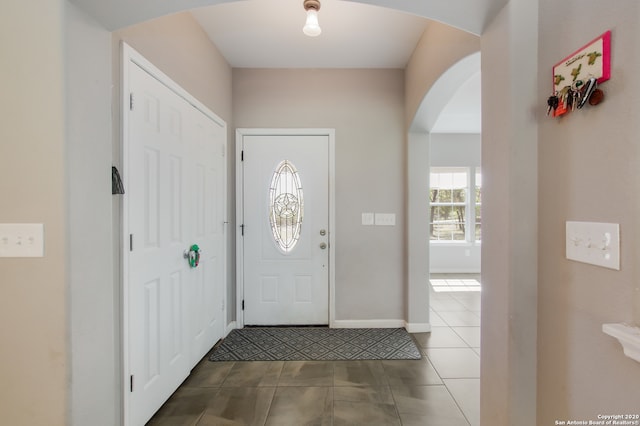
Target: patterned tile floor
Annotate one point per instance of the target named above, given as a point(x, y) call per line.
point(441, 389)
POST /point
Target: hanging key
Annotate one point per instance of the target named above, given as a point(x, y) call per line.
point(588, 90)
point(563, 96)
point(577, 94)
point(570, 99)
point(552, 103)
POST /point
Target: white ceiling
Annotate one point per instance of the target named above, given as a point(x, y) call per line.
point(268, 34)
point(356, 33)
point(468, 15)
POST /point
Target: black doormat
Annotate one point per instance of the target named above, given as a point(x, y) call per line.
point(315, 344)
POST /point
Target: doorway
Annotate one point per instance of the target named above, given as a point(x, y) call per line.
point(285, 212)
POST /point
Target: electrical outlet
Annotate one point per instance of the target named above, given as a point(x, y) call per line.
point(21, 240)
point(594, 243)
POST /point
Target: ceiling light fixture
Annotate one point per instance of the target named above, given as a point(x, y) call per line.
point(311, 27)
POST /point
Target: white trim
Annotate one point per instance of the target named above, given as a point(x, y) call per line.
point(239, 223)
point(240, 133)
point(131, 56)
point(379, 323)
point(628, 336)
point(230, 327)
point(455, 271)
point(418, 327)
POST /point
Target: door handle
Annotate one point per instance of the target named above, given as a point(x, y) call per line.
point(323, 246)
point(323, 232)
point(192, 254)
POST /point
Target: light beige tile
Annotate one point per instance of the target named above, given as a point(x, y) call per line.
point(466, 392)
point(436, 320)
point(460, 319)
point(455, 363)
point(471, 335)
point(440, 337)
point(451, 304)
point(410, 373)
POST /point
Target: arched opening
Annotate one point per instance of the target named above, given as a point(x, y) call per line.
point(444, 145)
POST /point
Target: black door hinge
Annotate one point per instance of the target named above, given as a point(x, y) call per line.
point(243, 305)
point(131, 101)
point(130, 242)
point(131, 383)
point(242, 229)
point(242, 155)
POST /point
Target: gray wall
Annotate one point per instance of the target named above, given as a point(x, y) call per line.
point(455, 150)
point(366, 109)
point(440, 47)
point(588, 171)
point(510, 207)
point(94, 303)
point(34, 307)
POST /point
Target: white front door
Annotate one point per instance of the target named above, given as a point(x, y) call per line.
point(174, 198)
point(286, 229)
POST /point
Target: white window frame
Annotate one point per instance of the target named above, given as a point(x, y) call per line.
point(469, 204)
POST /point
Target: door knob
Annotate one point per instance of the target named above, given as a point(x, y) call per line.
point(323, 246)
point(192, 254)
point(323, 232)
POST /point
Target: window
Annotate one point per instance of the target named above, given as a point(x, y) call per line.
point(286, 206)
point(455, 196)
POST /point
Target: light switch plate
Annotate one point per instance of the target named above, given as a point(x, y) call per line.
point(367, 219)
point(385, 219)
point(21, 240)
point(594, 243)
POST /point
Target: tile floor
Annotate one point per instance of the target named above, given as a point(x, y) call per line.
point(441, 389)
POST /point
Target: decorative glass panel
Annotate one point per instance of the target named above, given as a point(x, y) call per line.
point(286, 206)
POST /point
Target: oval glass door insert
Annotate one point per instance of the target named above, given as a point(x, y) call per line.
point(286, 206)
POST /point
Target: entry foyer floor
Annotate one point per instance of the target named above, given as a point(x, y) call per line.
point(441, 389)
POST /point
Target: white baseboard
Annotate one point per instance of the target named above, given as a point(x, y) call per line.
point(380, 323)
point(368, 324)
point(423, 327)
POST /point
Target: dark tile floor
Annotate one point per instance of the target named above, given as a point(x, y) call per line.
point(441, 389)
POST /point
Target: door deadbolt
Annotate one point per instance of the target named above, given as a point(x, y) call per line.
point(323, 232)
point(323, 246)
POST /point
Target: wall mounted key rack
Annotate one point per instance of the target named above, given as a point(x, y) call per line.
point(576, 77)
